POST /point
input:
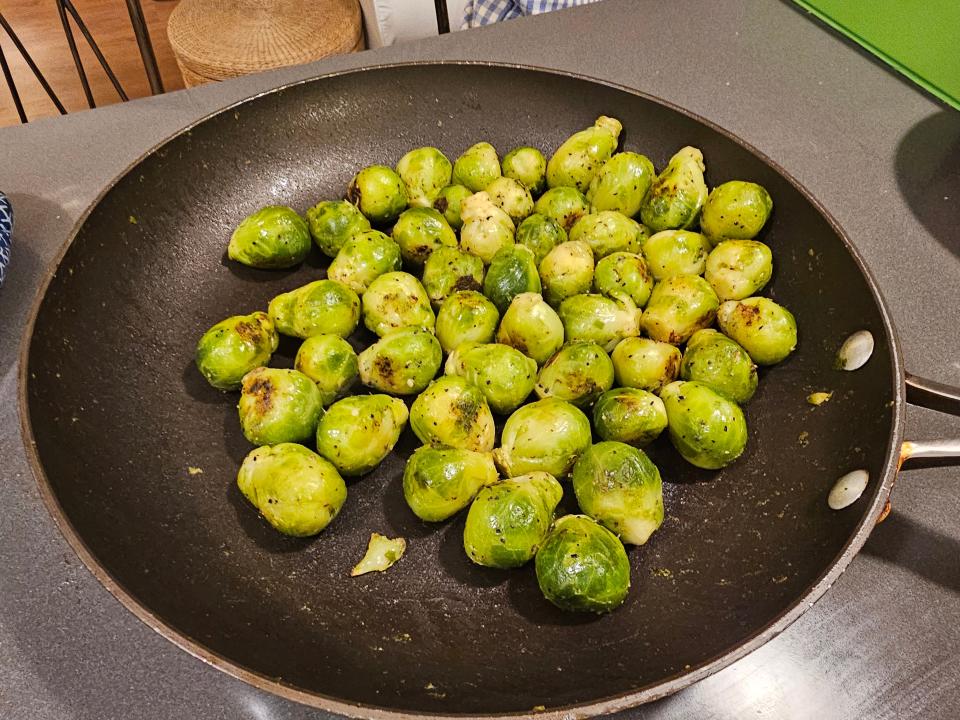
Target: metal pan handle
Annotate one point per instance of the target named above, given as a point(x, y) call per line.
point(935, 396)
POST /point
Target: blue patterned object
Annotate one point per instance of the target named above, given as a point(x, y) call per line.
point(6, 231)
point(484, 12)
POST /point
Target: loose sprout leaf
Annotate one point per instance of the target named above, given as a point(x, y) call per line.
point(382, 553)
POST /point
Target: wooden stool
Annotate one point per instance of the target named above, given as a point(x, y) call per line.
point(220, 39)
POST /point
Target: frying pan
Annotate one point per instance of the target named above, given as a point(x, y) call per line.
point(136, 456)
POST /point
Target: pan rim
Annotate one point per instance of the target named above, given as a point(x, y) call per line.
point(602, 706)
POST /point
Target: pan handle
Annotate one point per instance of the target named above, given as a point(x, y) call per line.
point(933, 395)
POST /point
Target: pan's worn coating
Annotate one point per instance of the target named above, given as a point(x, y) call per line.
point(120, 415)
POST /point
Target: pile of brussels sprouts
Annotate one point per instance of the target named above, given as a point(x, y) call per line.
point(576, 281)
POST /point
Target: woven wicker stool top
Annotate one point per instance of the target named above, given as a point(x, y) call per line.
point(219, 39)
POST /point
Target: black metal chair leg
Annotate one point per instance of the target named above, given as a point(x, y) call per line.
point(77, 61)
point(33, 68)
point(13, 86)
point(146, 47)
point(443, 16)
point(96, 49)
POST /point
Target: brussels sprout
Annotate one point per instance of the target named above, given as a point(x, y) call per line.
point(382, 553)
point(578, 373)
point(379, 193)
point(678, 193)
point(396, 300)
point(272, 238)
point(541, 234)
point(581, 156)
point(645, 364)
point(676, 252)
point(424, 172)
point(678, 307)
point(512, 197)
point(320, 307)
point(504, 375)
point(565, 205)
point(448, 204)
point(626, 274)
point(567, 270)
point(448, 270)
point(532, 327)
point(526, 165)
point(330, 362)
point(477, 167)
point(466, 316)
point(512, 271)
point(609, 232)
point(402, 362)
point(547, 435)
point(440, 482)
point(599, 319)
point(296, 490)
point(737, 269)
point(235, 346)
point(716, 361)
point(358, 432)
point(582, 566)
point(363, 258)
point(765, 329)
point(708, 430)
point(619, 487)
point(486, 228)
point(333, 222)
point(452, 412)
point(278, 406)
point(509, 520)
point(421, 230)
point(629, 415)
point(735, 210)
point(622, 183)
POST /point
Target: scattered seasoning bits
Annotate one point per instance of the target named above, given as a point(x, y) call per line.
point(819, 398)
point(855, 351)
point(848, 489)
point(803, 438)
point(382, 553)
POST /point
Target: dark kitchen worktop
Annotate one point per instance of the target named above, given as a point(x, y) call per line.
point(880, 155)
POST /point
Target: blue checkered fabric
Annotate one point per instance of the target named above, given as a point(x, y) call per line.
point(6, 230)
point(484, 12)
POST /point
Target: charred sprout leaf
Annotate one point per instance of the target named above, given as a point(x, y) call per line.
point(424, 172)
point(737, 269)
point(623, 273)
point(363, 258)
point(512, 197)
point(421, 230)
point(358, 432)
point(320, 307)
point(278, 406)
point(448, 270)
point(330, 362)
point(297, 491)
point(504, 375)
point(629, 415)
point(578, 373)
point(735, 210)
point(466, 317)
point(676, 252)
point(567, 270)
point(512, 271)
point(528, 166)
point(718, 362)
point(532, 327)
point(477, 167)
point(599, 319)
point(509, 520)
point(486, 228)
point(396, 300)
point(547, 435)
point(333, 222)
point(382, 553)
point(448, 202)
point(565, 205)
point(678, 193)
point(608, 232)
point(707, 429)
point(379, 193)
point(452, 412)
point(274, 237)
point(582, 566)
point(402, 362)
point(678, 307)
point(235, 346)
point(619, 486)
point(622, 184)
point(581, 156)
point(765, 329)
point(645, 364)
point(440, 482)
point(541, 234)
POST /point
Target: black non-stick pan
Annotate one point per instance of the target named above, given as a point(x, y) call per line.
point(116, 416)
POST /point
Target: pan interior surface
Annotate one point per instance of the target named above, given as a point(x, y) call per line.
point(120, 415)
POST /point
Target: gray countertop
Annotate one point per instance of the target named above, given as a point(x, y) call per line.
point(879, 154)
